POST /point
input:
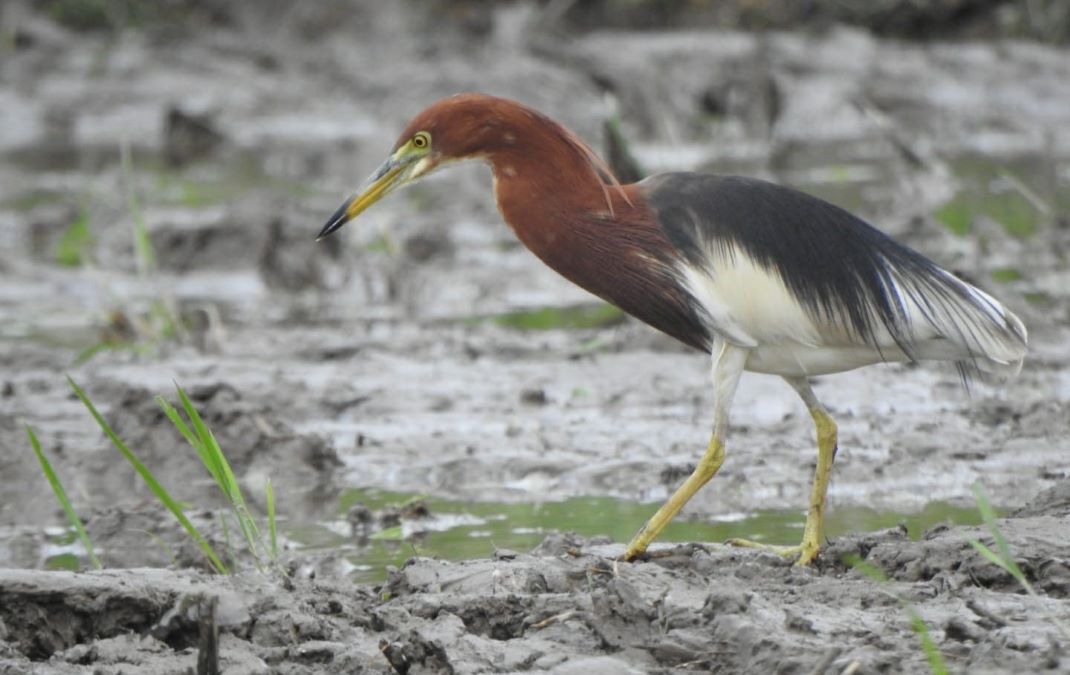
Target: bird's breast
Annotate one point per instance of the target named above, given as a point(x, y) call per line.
point(623, 267)
point(602, 239)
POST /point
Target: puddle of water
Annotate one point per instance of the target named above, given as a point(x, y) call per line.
point(63, 551)
point(459, 531)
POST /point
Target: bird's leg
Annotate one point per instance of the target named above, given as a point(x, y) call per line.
point(826, 452)
point(728, 361)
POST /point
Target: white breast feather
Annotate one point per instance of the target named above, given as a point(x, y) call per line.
point(746, 303)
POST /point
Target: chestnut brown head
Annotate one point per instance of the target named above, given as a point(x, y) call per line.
point(465, 126)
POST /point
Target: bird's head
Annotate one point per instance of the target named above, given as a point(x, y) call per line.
point(466, 126)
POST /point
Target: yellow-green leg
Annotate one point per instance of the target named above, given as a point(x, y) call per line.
point(826, 453)
point(707, 467)
point(728, 364)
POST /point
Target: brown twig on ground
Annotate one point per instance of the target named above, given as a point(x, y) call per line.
point(549, 621)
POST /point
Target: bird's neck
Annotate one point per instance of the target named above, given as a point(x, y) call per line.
point(604, 238)
point(550, 192)
point(598, 236)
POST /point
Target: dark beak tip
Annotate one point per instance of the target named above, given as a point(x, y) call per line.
point(335, 222)
point(326, 232)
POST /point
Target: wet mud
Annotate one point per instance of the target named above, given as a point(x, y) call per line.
point(425, 352)
point(570, 607)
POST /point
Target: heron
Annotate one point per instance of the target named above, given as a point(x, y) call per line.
point(762, 277)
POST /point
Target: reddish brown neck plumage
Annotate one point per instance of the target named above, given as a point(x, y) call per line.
point(549, 190)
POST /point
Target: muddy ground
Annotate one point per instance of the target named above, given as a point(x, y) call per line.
point(569, 608)
point(378, 358)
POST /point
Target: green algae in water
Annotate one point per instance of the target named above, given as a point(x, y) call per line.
point(64, 561)
point(957, 216)
point(1005, 275)
point(76, 243)
point(573, 317)
point(465, 530)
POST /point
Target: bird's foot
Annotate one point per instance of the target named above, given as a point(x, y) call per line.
point(804, 553)
point(633, 553)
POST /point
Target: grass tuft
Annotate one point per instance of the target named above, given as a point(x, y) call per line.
point(141, 330)
point(61, 495)
point(154, 485)
point(204, 443)
point(200, 437)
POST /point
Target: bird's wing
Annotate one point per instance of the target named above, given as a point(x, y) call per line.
point(769, 263)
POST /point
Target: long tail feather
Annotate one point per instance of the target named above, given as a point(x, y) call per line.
point(942, 317)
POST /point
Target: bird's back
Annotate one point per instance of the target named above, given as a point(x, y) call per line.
point(775, 269)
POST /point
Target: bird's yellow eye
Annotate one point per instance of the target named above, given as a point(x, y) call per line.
point(421, 140)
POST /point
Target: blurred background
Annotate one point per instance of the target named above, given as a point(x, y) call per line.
point(165, 167)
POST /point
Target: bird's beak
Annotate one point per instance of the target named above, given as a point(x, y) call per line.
point(394, 172)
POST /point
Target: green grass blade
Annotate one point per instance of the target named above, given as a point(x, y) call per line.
point(871, 571)
point(216, 461)
point(932, 653)
point(251, 534)
point(191, 438)
point(1004, 559)
point(177, 420)
point(89, 352)
point(273, 529)
point(227, 481)
point(145, 253)
point(220, 469)
point(227, 542)
point(993, 557)
point(164, 546)
point(157, 489)
point(988, 515)
point(61, 495)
